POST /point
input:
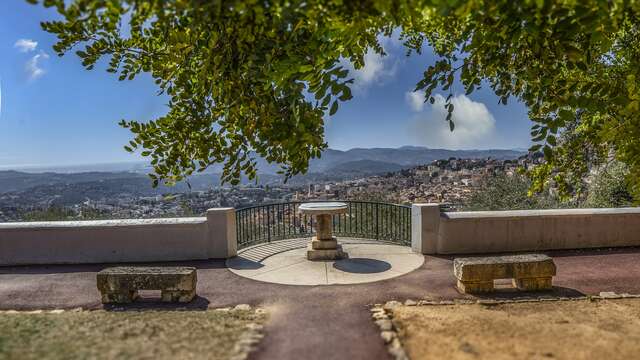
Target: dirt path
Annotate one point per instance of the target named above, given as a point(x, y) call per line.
point(315, 322)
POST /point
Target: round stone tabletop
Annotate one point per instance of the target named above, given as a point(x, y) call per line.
point(323, 208)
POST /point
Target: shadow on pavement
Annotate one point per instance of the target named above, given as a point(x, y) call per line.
point(242, 263)
point(513, 293)
point(153, 303)
point(592, 252)
point(80, 268)
point(362, 265)
point(552, 253)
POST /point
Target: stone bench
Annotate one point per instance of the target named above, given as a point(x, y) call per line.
point(121, 284)
point(530, 272)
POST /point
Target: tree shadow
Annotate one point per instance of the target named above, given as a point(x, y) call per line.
point(242, 263)
point(362, 265)
point(551, 253)
point(78, 268)
point(593, 251)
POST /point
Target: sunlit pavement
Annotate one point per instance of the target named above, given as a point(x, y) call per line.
point(304, 319)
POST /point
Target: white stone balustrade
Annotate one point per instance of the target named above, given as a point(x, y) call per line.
point(115, 241)
point(476, 232)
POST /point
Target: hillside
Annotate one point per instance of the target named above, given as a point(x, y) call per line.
point(333, 165)
point(11, 180)
point(364, 167)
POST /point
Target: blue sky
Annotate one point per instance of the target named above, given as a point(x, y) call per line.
point(53, 112)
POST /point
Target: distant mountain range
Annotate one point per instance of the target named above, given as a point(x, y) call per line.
point(333, 165)
point(404, 157)
point(380, 160)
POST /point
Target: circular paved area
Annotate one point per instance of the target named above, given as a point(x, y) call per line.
point(285, 262)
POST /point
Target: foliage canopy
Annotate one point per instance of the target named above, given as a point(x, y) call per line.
point(258, 77)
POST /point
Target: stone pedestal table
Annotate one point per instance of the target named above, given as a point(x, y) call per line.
point(324, 246)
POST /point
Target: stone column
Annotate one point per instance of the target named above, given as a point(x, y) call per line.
point(324, 246)
point(323, 227)
point(425, 222)
point(221, 227)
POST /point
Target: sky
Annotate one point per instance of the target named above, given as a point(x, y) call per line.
point(54, 112)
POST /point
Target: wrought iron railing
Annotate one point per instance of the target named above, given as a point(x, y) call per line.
point(370, 220)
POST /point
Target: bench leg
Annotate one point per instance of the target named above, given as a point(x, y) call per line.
point(475, 287)
point(177, 295)
point(119, 297)
point(533, 284)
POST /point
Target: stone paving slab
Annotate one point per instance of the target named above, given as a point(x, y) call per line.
point(305, 272)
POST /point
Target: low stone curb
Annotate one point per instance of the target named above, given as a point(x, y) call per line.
point(383, 317)
point(382, 314)
point(601, 296)
point(54, 311)
point(244, 307)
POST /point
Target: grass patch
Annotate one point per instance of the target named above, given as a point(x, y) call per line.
point(606, 329)
point(123, 335)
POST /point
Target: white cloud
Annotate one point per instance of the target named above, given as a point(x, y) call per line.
point(26, 45)
point(33, 67)
point(415, 99)
point(377, 70)
point(474, 123)
point(374, 69)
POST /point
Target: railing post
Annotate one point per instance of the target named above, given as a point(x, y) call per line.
point(268, 224)
point(377, 217)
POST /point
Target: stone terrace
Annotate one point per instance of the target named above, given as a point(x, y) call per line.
point(303, 319)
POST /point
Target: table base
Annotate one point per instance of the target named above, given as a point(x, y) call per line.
point(324, 244)
point(336, 253)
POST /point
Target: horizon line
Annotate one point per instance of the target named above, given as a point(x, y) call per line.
point(17, 167)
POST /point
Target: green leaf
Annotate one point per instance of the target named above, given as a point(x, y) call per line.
point(334, 108)
point(244, 72)
point(548, 153)
point(551, 140)
point(535, 147)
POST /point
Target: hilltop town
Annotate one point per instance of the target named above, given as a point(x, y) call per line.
point(447, 181)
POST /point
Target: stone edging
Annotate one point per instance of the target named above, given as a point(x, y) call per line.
point(383, 317)
point(383, 314)
point(250, 338)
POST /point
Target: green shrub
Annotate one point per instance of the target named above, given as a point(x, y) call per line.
point(508, 192)
point(609, 188)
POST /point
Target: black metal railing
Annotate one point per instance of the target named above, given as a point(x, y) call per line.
point(370, 220)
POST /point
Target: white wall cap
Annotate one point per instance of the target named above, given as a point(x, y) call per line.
point(538, 213)
point(101, 223)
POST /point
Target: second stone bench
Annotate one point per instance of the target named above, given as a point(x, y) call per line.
point(530, 272)
point(121, 284)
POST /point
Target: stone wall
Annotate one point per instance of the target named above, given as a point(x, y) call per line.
point(436, 232)
point(115, 241)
